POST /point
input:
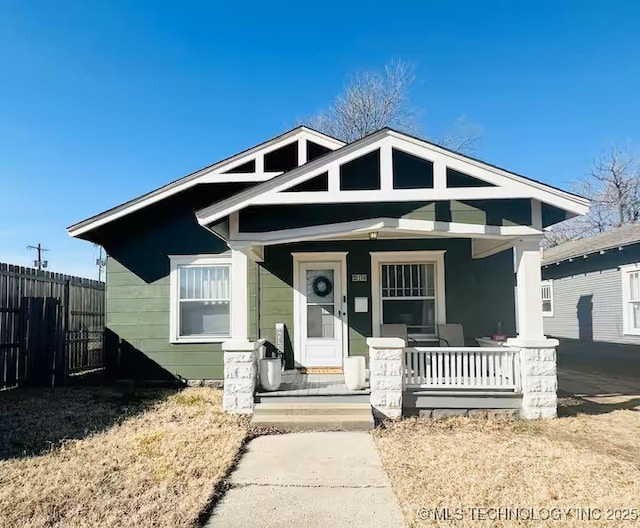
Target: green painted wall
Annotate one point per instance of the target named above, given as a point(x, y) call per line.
point(138, 288)
point(490, 212)
point(479, 293)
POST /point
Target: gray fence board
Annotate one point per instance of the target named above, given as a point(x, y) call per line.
point(51, 326)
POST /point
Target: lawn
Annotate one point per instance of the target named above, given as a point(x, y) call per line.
point(447, 468)
point(102, 457)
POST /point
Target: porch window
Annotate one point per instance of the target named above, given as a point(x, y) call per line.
point(547, 298)
point(409, 296)
point(201, 300)
point(631, 298)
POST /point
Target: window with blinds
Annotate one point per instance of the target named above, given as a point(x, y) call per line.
point(409, 296)
point(204, 298)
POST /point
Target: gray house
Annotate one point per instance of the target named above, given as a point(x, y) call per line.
point(591, 288)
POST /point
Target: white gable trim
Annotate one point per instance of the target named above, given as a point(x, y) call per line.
point(507, 185)
point(214, 174)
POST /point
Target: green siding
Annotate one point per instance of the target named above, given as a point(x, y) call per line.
point(479, 293)
point(138, 317)
point(484, 212)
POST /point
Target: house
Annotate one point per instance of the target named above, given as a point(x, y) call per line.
point(591, 288)
point(329, 242)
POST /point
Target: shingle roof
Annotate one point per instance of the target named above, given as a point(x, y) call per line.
point(618, 237)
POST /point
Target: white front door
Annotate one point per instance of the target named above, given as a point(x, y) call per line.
point(320, 316)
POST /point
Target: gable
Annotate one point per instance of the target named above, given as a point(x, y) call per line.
point(255, 165)
point(392, 167)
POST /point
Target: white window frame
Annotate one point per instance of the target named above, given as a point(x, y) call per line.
point(548, 283)
point(625, 272)
point(378, 258)
point(237, 261)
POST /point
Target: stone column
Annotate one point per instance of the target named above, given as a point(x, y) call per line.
point(386, 375)
point(240, 372)
point(539, 379)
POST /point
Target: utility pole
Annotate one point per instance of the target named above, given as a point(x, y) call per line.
point(100, 262)
point(40, 264)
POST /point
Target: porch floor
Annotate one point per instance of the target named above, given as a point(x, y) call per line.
point(294, 383)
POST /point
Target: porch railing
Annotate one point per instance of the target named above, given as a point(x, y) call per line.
point(462, 368)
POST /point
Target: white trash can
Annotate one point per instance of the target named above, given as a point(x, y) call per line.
point(270, 373)
point(354, 373)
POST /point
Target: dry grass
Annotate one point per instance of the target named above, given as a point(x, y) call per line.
point(154, 460)
point(574, 462)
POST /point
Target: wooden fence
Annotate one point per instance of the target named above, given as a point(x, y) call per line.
point(51, 326)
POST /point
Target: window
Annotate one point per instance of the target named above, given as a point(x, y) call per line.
point(407, 287)
point(201, 299)
point(547, 298)
point(631, 298)
point(409, 296)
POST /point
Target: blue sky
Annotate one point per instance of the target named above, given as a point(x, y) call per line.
point(103, 101)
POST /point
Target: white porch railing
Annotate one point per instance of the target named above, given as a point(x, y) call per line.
point(462, 368)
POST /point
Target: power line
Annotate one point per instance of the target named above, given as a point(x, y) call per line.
point(40, 264)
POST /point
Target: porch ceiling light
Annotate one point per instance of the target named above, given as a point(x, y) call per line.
point(373, 235)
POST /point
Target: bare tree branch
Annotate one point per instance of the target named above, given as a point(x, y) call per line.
point(613, 187)
point(373, 100)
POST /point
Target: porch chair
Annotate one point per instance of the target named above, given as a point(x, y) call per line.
point(451, 334)
point(397, 330)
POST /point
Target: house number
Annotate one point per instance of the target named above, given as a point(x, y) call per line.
point(359, 277)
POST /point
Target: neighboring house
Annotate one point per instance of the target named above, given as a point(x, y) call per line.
point(334, 241)
point(591, 287)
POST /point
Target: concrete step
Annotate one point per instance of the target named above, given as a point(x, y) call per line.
point(307, 408)
point(357, 421)
point(350, 398)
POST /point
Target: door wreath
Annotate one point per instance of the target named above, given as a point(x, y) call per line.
point(322, 286)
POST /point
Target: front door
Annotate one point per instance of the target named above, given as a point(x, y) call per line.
point(320, 314)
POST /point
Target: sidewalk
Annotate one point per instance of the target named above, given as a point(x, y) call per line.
point(601, 389)
point(309, 480)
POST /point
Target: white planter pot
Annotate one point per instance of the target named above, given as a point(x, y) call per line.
point(270, 373)
point(354, 373)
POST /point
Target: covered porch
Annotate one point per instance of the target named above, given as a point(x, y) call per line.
point(422, 284)
point(392, 230)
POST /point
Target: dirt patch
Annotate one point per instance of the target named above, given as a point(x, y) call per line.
point(453, 466)
point(160, 466)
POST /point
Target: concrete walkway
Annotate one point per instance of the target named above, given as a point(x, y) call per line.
point(309, 480)
point(599, 387)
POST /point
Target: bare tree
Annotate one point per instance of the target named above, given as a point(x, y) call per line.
point(613, 187)
point(372, 100)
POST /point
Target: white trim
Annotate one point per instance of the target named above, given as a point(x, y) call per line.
point(386, 167)
point(238, 177)
point(302, 151)
point(303, 257)
point(211, 174)
point(509, 185)
point(536, 214)
point(484, 247)
point(528, 291)
point(388, 195)
point(237, 261)
point(626, 316)
point(392, 225)
point(390, 257)
point(548, 283)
